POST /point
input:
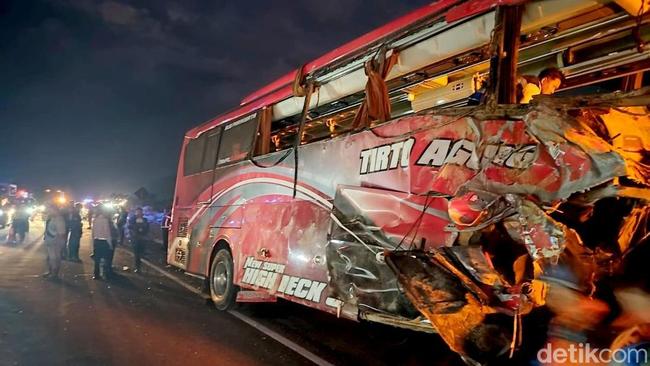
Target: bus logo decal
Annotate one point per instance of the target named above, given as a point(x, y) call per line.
point(440, 152)
point(261, 274)
point(265, 275)
point(386, 157)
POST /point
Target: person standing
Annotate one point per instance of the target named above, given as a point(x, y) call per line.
point(20, 223)
point(111, 254)
point(54, 240)
point(90, 215)
point(139, 228)
point(65, 212)
point(74, 232)
point(166, 225)
point(102, 241)
point(122, 218)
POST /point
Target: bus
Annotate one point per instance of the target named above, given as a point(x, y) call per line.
point(396, 179)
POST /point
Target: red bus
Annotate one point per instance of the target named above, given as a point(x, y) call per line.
point(383, 180)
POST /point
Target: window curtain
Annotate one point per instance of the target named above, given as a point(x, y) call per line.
point(376, 105)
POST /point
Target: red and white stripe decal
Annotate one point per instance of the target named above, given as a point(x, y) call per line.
point(306, 191)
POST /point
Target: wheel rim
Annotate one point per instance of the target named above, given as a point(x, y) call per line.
point(220, 280)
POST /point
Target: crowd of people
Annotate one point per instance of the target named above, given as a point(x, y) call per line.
point(16, 216)
point(64, 228)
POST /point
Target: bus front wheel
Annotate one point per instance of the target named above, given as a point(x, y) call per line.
point(222, 288)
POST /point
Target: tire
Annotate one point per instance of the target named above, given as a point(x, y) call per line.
point(222, 288)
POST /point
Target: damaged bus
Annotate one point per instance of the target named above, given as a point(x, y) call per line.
point(397, 180)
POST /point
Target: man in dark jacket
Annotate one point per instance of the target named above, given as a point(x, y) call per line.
point(121, 223)
point(138, 228)
point(115, 241)
point(20, 223)
point(74, 232)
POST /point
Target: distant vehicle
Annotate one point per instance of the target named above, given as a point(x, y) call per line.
point(8, 190)
point(397, 218)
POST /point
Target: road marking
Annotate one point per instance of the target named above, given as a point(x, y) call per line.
point(281, 339)
point(166, 274)
point(248, 320)
point(173, 278)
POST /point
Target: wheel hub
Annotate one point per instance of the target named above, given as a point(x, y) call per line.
point(220, 279)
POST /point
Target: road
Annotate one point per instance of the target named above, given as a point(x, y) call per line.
point(151, 318)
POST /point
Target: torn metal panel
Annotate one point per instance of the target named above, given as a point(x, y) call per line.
point(542, 236)
point(420, 324)
point(474, 261)
point(635, 228)
point(629, 128)
point(368, 222)
point(357, 272)
point(642, 194)
point(570, 159)
point(359, 276)
point(454, 311)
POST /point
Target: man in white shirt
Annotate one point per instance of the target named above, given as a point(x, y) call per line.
point(54, 240)
point(102, 241)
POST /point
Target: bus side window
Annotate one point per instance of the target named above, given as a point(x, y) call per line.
point(201, 153)
point(316, 129)
point(329, 126)
point(238, 138)
point(194, 155)
point(210, 155)
point(283, 133)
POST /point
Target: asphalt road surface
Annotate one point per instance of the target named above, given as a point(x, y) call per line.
point(151, 319)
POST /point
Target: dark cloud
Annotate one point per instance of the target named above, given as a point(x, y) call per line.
point(96, 94)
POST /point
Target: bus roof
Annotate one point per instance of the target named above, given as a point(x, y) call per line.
point(282, 88)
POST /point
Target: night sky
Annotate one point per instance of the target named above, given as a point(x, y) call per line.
point(95, 95)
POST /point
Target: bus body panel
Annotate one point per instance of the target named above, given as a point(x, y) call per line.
point(388, 174)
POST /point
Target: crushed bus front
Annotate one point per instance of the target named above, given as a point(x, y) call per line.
point(497, 197)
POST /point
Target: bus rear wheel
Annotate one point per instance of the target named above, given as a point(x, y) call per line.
point(222, 288)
